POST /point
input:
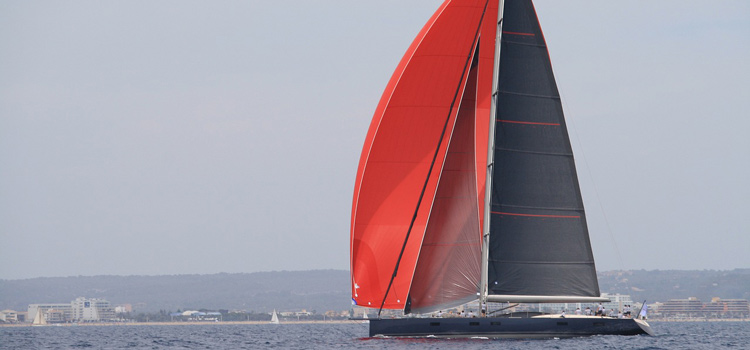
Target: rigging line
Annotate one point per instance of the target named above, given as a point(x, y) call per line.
point(596, 191)
point(467, 67)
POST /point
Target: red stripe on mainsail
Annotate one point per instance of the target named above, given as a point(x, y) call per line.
point(538, 215)
point(520, 122)
point(516, 33)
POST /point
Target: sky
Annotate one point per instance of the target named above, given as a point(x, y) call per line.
point(194, 137)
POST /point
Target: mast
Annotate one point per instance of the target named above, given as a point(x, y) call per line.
point(490, 156)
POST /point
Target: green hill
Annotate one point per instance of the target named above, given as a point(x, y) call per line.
point(319, 290)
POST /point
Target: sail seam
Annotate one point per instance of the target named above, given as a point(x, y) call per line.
point(523, 44)
point(522, 122)
point(529, 95)
point(541, 208)
point(437, 55)
point(448, 244)
point(538, 215)
point(545, 262)
point(534, 152)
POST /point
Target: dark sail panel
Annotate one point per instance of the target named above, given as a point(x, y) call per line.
point(539, 243)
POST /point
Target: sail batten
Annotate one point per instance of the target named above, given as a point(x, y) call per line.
point(552, 97)
point(534, 152)
point(544, 262)
point(538, 207)
point(545, 299)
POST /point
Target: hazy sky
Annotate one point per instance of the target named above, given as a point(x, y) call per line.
point(177, 137)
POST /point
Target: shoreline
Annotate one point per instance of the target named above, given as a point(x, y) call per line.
point(116, 324)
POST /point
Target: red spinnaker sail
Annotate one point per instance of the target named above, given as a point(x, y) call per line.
point(404, 158)
point(448, 267)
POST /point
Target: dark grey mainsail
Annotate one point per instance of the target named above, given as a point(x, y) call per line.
point(539, 242)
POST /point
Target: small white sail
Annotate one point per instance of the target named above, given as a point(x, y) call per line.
point(39, 319)
point(274, 317)
point(644, 310)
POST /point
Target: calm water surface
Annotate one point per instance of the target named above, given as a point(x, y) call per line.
point(670, 335)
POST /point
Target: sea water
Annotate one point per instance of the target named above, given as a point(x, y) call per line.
point(670, 335)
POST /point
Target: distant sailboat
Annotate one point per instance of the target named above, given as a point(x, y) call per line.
point(466, 190)
point(274, 317)
point(39, 319)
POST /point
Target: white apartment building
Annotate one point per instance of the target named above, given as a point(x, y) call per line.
point(79, 310)
point(9, 316)
point(65, 309)
point(89, 310)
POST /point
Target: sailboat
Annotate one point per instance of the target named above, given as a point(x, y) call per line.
point(39, 319)
point(274, 317)
point(466, 189)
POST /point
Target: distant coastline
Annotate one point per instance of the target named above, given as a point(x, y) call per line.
point(316, 296)
point(120, 324)
point(222, 323)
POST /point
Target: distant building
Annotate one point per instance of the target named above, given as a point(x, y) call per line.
point(727, 308)
point(55, 316)
point(63, 312)
point(79, 310)
point(92, 310)
point(694, 308)
point(618, 301)
point(687, 308)
point(191, 315)
point(8, 316)
point(123, 309)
